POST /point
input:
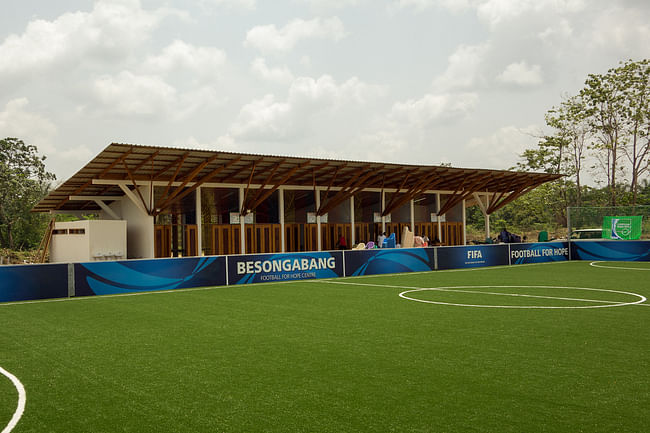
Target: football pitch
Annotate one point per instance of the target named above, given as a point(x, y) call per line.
point(558, 347)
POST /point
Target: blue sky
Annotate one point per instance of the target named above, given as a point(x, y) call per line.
point(465, 82)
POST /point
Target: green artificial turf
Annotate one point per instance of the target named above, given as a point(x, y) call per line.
point(319, 356)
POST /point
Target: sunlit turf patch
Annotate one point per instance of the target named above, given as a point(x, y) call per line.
point(522, 296)
point(331, 357)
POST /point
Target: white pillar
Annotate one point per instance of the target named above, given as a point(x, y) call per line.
point(281, 210)
point(412, 217)
point(352, 237)
point(464, 224)
point(242, 228)
point(199, 222)
point(439, 222)
point(487, 217)
point(383, 206)
point(318, 234)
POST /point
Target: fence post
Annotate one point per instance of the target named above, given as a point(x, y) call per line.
point(568, 229)
point(71, 288)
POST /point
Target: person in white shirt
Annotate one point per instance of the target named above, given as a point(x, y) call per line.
point(380, 239)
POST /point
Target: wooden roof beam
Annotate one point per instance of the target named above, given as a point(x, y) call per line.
point(496, 205)
point(462, 194)
point(341, 191)
point(187, 179)
point(180, 160)
point(135, 185)
point(146, 160)
point(419, 188)
point(278, 184)
point(344, 194)
point(103, 172)
point(393, 198)
point(266, 181)
point(310, 172)
point(197, 184)
point(329, 186)
point(114, 163)
point(243, 210)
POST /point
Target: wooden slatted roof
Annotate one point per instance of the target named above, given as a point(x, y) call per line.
point(181, 171)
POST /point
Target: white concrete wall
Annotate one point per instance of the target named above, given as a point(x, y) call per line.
point(101, 240)
point(107, 239)
point(140, 230)
point(70, 248)
point(116, 207)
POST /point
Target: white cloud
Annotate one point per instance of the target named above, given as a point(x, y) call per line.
point(263, 119)
point(521, 74)
point(407, 129)
point(278, 75)
point(129, 94)
point(619, 29)
point(501, 149)
point(496, 12)
point(248, 5)
point(111, 30)
point(17, 121)
point(270, 38)
point(331, 4)
point(269, 119)
point(464, 68)
point(382, 145)
point(432, 109)
point(420, 5)
point(181, 56)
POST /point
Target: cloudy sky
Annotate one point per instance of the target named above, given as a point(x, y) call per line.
point(465, 82)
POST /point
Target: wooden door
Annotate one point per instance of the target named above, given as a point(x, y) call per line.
point(264, 238)
point(235, 239)
point(311, 237)
point(162, 240)
point(292, 237)
point(362, 233)
point(251, 239)
point(221, 239)
point(191, 240)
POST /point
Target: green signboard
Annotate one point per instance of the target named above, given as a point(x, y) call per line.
point(622, 227)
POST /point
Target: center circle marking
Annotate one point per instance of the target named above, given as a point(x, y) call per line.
point(600, 265)
point(605, 304)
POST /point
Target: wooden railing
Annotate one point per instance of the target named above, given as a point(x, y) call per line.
point(222, 239)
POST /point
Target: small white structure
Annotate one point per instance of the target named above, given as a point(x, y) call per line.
point(88, 240)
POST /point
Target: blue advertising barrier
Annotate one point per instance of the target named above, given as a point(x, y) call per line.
point(261, 268)
point(472, 256)
point(130, 276)
point(29, 282)
point(611, 250)
point(388, 261)
point(539, 252)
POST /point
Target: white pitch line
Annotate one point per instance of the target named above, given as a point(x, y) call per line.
point(606, 304)
point(598, 265)
point(455, 289)
point(438, 271)
point(451, 289)
point(22, 399)
point(522, 295)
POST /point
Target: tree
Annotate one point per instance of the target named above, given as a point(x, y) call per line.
point(609, 121)
point(23, 182)
point(635, 78)
point(604, 100)
point(572, 131)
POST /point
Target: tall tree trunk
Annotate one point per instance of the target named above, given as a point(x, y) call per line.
point(10, 238)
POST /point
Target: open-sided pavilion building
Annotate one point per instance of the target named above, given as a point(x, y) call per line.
point(186, 202)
